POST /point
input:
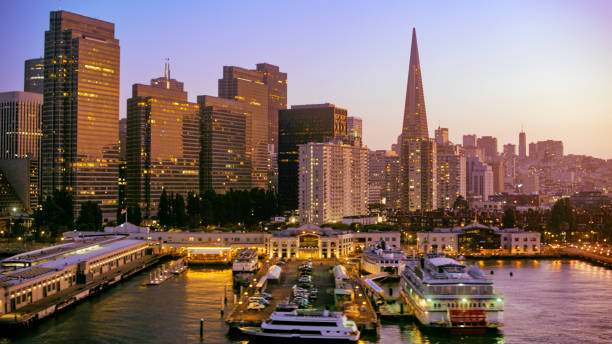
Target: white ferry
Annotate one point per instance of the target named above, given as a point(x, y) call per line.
point(246, 260)
point(322, 327)
point(442, 292)
point(379, 259)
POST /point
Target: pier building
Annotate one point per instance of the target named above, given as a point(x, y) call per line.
point(302, 242)
point(32, 277)
point(478, 238)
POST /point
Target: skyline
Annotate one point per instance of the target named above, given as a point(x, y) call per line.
point(570, 43)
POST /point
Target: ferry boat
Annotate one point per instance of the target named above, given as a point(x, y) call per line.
point(442, 292)
point(321, 327)
point(379, 259)
point(246, 260)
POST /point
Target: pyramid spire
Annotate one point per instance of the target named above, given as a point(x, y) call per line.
point(415, 115)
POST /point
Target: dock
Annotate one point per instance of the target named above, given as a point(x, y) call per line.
point(36, 311)
point(361, 310)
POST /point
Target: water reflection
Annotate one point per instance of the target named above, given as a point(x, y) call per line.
point(543, 300)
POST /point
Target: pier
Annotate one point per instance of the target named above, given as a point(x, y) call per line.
point(38, 310)
point(360, 311)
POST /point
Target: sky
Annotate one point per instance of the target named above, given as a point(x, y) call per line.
point(488, 67)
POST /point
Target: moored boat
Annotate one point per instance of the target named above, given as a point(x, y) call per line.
point(319, 327)
point(442, 292)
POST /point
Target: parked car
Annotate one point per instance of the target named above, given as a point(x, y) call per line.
point(258, 300)
point(256, 306)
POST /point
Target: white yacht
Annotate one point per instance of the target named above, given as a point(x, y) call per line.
point(246, 260)
point(442, 292)
point(320, 327)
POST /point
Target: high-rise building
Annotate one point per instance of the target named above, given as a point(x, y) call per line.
point(469, 141)
point(489, 144)
point(532, 150)
point(247, 87)
point(384, 178)
point(122, 179)
point(333, 181)
point(20, 132)
point(223, 160)
point(163, 145)
point(549, 149)
point(277, 100)
point(263, 93)
point(355, 129)
point(441, 136)
point(299, 125)
point(522, 145)
point(20, 135)
point(34, 75)
point(81, 110)
point(479, 179)
point(498, 176)
point(509, 149)
point(418, 152)
point(451, 175)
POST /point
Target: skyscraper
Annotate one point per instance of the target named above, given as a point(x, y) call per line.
point(451, 175)
point(441, 136)
point(509, 149)
point(34, 75)
point(418, 152)
point(20, 134)
point(333, 181)
point(223, 160)
point(277, 100)
point(522, 145)
point(81, 110)
point(263, 93)
point(247, 87)
point(479, 179)
point(489, 144)
point(299, 125)
point(355, 129)
point(469, 141)
point(384, 178)
point(163, 145)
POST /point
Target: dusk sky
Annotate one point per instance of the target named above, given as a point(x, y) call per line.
point(488, 66)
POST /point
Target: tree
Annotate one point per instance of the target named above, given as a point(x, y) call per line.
point(56, 215)
point(562, 217)
point(509, 218)
point(163, 212)
point(90, 217)
point(178, 211)
point(193, 209)
point(134, 215)
point(461, 203)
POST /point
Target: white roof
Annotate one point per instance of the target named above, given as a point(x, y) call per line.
point(274, 272)
point(441, 261)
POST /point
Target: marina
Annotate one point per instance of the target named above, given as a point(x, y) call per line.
point(129, 312)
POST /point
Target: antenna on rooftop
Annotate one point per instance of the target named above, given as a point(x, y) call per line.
point(167, 72)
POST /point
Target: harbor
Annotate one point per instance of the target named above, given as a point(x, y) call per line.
point(359, 308)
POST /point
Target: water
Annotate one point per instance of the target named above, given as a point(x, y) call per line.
point(546, 302)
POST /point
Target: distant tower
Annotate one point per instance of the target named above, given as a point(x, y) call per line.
point(522, 144)
point(418, 152)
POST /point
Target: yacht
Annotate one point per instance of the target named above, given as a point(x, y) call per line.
point(379, 258)
point(246, 260)
point(319, 327)
point(442, 292)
